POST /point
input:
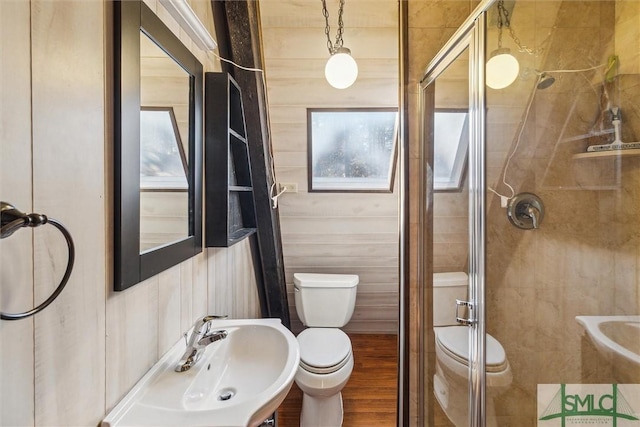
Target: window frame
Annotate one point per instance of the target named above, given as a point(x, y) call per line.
point(392, 159)
point(457, 175)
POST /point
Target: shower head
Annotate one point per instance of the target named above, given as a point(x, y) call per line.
point(545, 81)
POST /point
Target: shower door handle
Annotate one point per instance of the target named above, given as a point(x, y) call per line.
point(467, 321)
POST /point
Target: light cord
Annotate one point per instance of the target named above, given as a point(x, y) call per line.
point(524, 122)
point(580, 70)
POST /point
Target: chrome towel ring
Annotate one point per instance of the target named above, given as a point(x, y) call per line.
point(11, 219)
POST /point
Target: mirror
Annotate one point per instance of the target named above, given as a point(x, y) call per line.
point(158, 147)
point(164, 188)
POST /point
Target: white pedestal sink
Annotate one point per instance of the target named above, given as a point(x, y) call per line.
point(617, 339)
point(239, 381)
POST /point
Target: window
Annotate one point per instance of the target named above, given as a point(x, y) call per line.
point(451, 143)
point(351, 149)
point(163, 164)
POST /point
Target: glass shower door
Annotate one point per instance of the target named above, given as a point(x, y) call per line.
point(449, 325)
point(544, 222)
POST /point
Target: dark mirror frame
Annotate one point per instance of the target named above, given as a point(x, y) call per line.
point(130, 266)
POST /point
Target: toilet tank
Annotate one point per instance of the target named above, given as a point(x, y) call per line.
point(325, 300)
point(447, 287)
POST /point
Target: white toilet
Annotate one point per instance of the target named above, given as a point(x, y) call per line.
point(324, 303)
point(450, 382)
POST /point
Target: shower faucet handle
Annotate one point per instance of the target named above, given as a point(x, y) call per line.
point(526, 211)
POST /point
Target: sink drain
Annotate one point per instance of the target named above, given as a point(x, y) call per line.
point(226, 394)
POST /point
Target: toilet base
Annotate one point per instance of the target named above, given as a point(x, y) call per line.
point(321, 411)
point(455, 404)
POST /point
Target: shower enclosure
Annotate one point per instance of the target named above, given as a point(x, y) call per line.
point(546, 229)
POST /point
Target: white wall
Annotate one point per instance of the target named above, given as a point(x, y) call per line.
point(71, 363)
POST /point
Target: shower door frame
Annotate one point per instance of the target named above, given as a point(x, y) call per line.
point(471, 35)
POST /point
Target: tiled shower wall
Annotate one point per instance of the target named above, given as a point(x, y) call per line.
point(584, 258)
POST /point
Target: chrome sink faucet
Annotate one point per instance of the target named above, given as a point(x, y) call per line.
point(200, 338)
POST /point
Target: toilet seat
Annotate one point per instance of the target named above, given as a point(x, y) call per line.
point(454, 341)
point(323, 350)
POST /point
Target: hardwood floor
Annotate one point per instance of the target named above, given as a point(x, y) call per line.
point(370, 396)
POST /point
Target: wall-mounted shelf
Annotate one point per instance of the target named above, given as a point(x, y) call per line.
point(611, 153)
point(229, 205)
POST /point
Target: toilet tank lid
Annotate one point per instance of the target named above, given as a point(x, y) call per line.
point(456, 278)
point(313, 280)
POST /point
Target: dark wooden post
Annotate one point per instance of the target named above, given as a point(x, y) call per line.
point(238, 37)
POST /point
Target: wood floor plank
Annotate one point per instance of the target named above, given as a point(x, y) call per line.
point(370, 396)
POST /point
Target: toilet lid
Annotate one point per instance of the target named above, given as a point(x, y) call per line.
point(455, 340)
point(323, 350)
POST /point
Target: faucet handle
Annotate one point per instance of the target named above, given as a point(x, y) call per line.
point(197, 327)
point(532, 212)
point(526, 211)
point(215, 316)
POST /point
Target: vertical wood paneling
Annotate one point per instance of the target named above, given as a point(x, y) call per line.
point(186, 295)
point(200, 291)
point(132, 326)
point(92, 344)
point(219, 289)
point(16, 278)
point(332, 232)
point(232, 286)
point(169, 302)
point(246, 303)
point(68, 125)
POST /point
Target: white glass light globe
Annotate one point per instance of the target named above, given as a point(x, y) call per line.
point(341, 69)
point(502, 69)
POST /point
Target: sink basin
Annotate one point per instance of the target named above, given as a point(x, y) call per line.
point(239, 381)
point(614, 336)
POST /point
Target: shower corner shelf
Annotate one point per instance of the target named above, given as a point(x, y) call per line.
point(603, 154)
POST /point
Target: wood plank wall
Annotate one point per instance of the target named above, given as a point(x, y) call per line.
point(353, 233)
point(73, 362)
point(16, 277)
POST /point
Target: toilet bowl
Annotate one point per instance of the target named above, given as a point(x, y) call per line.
point(451, 380)
point(324, 303)
point(326, 363)
point(451, 383)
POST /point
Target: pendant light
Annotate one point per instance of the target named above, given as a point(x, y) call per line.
point(502, 68)
point(341, 70)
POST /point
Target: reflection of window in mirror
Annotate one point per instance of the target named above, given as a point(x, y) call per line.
point(164, 134)
point(163, 165)
point(451, 143)
point(351, 149)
